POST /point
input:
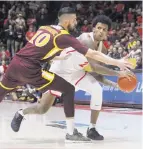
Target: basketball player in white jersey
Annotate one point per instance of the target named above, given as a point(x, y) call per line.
point(75, 70)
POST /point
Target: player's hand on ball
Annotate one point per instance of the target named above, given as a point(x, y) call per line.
point(126, 74)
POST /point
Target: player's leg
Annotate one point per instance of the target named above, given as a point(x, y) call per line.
point(41, 108)
point(46, 102)
point(67, 90)
point(95, 90)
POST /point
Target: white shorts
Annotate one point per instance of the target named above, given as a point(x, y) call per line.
point(86, 82)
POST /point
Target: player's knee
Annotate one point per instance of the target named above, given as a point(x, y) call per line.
point(97, 87)
point(96, 98)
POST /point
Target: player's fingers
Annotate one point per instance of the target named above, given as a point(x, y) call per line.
point(129, 65)
point(130, 73)
point(126, 68)
point(128, 77)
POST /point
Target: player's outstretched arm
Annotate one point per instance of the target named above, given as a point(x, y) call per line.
point(123, 64)
point(103, 70)
point(66, 41)
point(105, 81)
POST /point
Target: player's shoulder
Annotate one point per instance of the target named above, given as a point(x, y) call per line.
point(85, 36)
point(49, 28)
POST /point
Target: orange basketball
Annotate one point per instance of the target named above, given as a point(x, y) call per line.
point(127, 85)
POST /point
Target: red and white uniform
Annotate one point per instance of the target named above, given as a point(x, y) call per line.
point(72, 70)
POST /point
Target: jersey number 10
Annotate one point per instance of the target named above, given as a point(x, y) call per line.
point(40, 39)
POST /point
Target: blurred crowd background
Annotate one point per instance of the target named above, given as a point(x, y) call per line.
point(19, 21)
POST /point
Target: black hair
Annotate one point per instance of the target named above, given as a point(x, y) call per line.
point(66, 10)
point(102, 19)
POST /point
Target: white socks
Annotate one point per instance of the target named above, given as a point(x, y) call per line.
point(92, 125)
point(21, 112)
point(70, 125)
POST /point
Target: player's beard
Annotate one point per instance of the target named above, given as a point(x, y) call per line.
point(71, 28)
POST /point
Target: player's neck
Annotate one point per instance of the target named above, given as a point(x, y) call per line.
point(96, 43)
point(63, 26)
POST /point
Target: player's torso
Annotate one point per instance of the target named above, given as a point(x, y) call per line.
point(73, 63)
point(76, 62)
point(70, 69)
point(42, 46)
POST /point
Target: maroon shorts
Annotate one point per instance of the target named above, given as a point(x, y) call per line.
point(21, 72)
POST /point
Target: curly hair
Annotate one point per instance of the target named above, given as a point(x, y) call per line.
point(102, 19)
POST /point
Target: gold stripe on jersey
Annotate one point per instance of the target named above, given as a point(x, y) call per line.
point(6, 88)
point(49, 29)
point(87, 68)
point(56, 48)
point(48, 76)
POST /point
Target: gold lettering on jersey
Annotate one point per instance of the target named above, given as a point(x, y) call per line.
point(56, 48)
point(40, 39)
point(49, 29)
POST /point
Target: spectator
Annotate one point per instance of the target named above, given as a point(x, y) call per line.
point(30, 33)
point(9, 33)
point(20, 22)
point(84, 28)
point(139, 62)
point(19, 38)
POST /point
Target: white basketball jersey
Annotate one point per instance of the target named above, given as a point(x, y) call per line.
point(73, 63)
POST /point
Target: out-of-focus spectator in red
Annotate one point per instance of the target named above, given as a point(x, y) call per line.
point(30, 33)
point(130, 15)
point(31, 21)
point(4, 55)
point(85, 27)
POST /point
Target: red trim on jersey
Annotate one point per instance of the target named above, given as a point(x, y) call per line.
point(84, 64)
point(70, 51)
point(81, 78)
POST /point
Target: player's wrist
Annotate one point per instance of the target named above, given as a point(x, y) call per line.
point(117, 73)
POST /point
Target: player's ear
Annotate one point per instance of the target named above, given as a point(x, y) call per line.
point(93, 29)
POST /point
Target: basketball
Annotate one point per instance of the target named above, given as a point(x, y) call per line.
point(127, 85)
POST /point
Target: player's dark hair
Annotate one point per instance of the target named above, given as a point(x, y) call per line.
point(102, 19)
point(66, 10)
